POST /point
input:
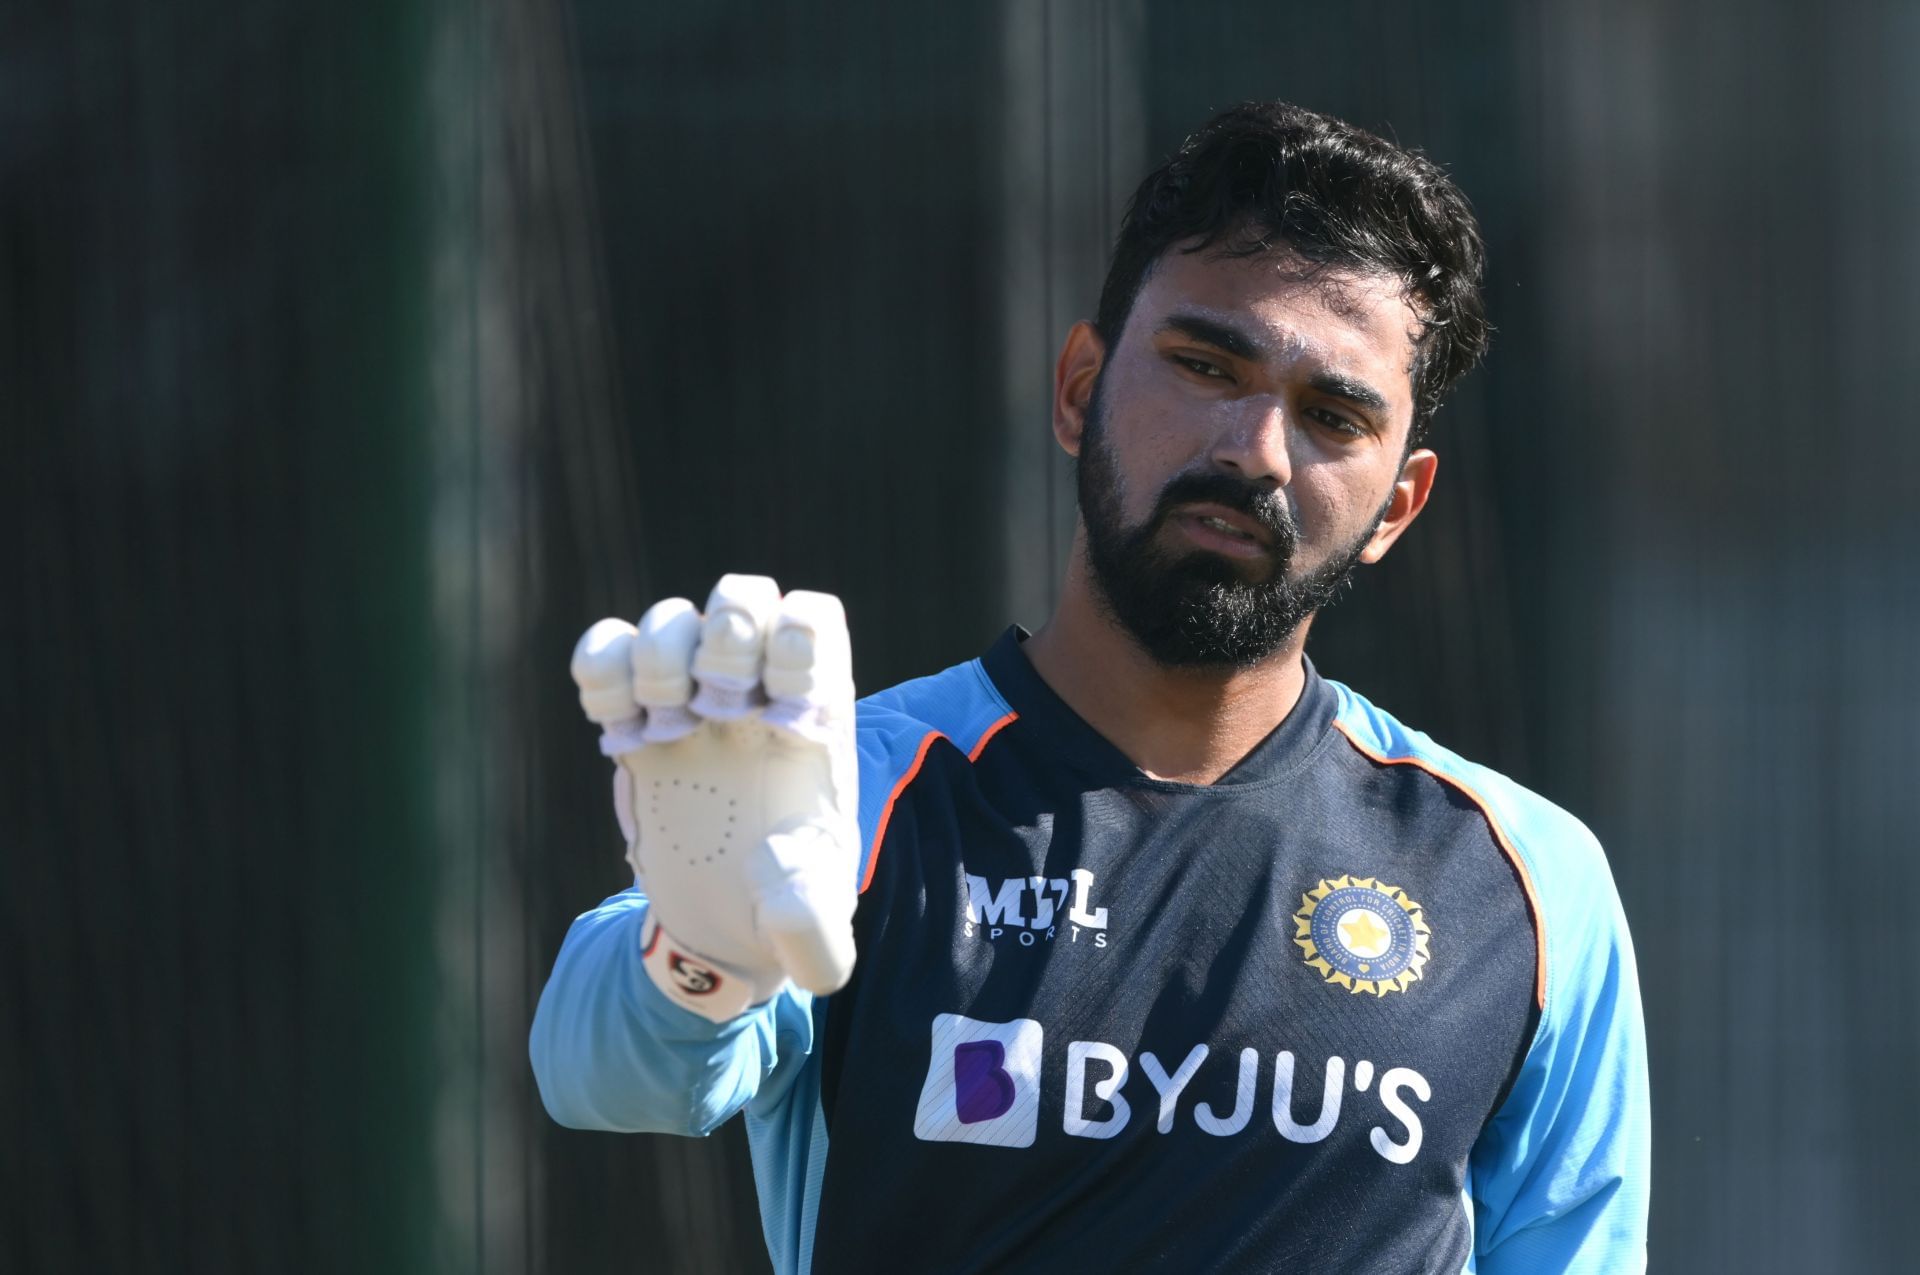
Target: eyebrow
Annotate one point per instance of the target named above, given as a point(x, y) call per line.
point(1232, 340)
point(1219, 335)
point(1359, 393)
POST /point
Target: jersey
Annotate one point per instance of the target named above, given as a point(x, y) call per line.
point(1357, 1005)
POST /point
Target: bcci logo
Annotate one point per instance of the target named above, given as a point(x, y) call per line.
point(1362, 934)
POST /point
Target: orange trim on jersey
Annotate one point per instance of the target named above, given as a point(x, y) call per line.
point(886, 811)
point(919, 759)
point(1499, 834)
point(991, 731)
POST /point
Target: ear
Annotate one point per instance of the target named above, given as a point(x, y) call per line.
point(1074, 374)
point(1410, 492)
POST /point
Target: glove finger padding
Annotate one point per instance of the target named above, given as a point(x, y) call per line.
point(733, 637)
point(662, 683)
point(809, 656)
point(600, 669)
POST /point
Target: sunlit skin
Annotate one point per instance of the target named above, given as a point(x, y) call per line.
point(1235, 364)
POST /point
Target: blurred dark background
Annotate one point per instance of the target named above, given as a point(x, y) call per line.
point(354, 358)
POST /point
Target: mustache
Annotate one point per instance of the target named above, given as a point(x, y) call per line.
point(1259, 503)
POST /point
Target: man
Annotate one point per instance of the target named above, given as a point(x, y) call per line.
point(1171, 954)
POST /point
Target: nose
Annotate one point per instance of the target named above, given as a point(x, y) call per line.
point(1253, 441)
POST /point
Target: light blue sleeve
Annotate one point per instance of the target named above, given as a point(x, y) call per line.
point(1558, 1178)
point(611, 1052)
point(1560, 1175)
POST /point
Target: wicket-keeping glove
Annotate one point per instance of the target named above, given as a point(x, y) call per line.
point(732, 738)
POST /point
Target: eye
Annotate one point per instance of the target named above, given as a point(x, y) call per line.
point(1200, 367)
point(1338, 422)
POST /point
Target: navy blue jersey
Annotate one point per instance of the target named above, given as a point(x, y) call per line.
point(1356, 1005)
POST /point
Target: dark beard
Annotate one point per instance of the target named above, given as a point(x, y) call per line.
point(1197, 609)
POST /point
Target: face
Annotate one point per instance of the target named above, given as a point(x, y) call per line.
point(1241, 449)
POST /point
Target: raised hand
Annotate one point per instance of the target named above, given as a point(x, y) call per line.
point(733, 737)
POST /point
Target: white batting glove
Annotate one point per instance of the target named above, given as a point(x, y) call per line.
point(732, 735)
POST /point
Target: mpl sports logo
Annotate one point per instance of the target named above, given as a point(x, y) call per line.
point(984, 1086)
point(1028, 910)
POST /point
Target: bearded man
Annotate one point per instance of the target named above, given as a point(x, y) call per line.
point(1133, 944)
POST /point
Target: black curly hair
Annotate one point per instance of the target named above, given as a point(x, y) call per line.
point(1270, 175)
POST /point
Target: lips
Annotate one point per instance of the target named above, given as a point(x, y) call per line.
point(1224, 521)
point(1216, 535)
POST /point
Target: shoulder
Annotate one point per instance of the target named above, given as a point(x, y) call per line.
point(959, 706)
point(944, 719)
point(1557, 860)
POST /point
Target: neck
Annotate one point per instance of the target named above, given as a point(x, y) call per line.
point(1187, 725)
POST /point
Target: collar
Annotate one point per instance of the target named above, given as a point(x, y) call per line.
point(1284, 750)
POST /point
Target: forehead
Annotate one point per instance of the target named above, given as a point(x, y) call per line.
point(1357, 320)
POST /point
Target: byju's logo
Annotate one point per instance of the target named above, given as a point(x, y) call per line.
point(1028, 909)
point(984, 1083)
point(983, 1086)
